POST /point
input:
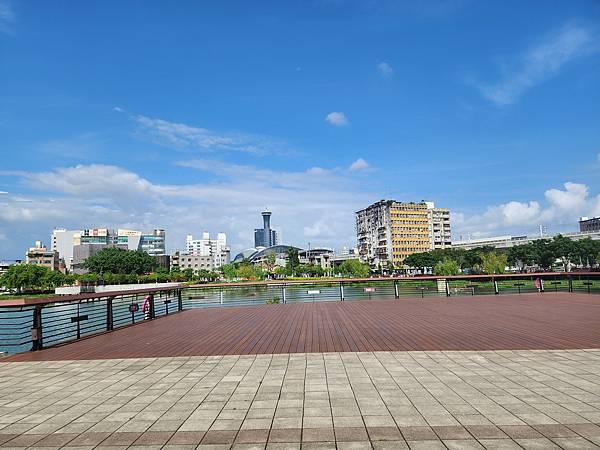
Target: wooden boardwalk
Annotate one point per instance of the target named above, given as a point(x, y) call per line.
point(528, 321)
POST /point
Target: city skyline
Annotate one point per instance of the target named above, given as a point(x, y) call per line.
point(316, 109)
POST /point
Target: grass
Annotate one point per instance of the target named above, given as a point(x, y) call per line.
point(20, 296)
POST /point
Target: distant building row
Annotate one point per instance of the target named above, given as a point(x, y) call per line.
point(202, 254)
point(75, 246)
point(389, 231)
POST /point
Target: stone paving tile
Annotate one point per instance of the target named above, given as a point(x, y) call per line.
point(381, 400)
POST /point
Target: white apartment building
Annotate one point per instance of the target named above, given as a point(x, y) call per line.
point(440, 235)
point(216, 249)
point(62, 242)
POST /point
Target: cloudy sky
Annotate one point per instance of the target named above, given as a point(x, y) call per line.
point(194, 116)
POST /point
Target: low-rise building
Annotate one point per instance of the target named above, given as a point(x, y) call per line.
point(511, 241)
point(181, 262)
point(216, 249)
point(319, 256)
point(588, 225)
point(40, 255)
point(5, 265)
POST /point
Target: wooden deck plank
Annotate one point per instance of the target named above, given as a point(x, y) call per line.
point(527, 321)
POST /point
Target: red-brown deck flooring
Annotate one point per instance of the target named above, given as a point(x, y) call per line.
point(529, 321)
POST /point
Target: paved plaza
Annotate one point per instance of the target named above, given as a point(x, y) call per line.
point(382, 400)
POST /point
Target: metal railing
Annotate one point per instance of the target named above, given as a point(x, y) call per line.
point(32, 324)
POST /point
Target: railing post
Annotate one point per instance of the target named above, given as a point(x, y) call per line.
point(570, 283)
point(496, 291)
point(283, 295)
point(109, 314)
point(341, 291)
point(179, 300)
point(541, 285)
point(36, 329)
point(447, 287)
point(152, 314)
point(221, 296)
point(396, 293)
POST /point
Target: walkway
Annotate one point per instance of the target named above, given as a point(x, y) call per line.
point(528, 321)
point(385, 400)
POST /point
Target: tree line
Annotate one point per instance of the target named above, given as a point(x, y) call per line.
point(543, 254)
point(119, 266)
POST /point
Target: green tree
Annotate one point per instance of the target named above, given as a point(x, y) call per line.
point(543, 253)
point(494, 262)
point(564, 249)
point(23, 277)
point(587, 252)
point(229, 271)
point(521, 256)
point(421, 260)
point(353, 268)
point(117, 260)
point(270, 263)
point(447, 267)
point(247, 271)
point(293, 261)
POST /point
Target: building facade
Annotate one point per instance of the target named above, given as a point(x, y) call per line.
point(40, 255)
point(587, 224)
point(181, 262)
point(216, 249)
point(511, 241)
point(265, 236)
point(62, 242)
point(440, 234)
point(388, 231)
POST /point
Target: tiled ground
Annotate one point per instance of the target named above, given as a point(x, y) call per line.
point(382, 400)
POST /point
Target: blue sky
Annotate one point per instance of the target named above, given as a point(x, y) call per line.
point(195, 116)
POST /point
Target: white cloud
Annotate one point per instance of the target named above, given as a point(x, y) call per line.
point(539, 63)
point(562, 209)
point(187, 137)
point(359, 164)
point(7, 17)
point(337, 119)
point(385, 70)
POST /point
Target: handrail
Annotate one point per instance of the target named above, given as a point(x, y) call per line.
point(308, 281)
point(413, 278)
point(88, 296)
point(61, 319)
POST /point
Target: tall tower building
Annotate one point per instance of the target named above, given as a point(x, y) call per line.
point(265, 237)
point(389, 231)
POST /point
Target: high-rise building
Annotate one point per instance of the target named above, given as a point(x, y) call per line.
point(389, 231)
point(62, 242)
point(588, 225)
point(216, 250)
point(265, 236)
point(440, 235)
